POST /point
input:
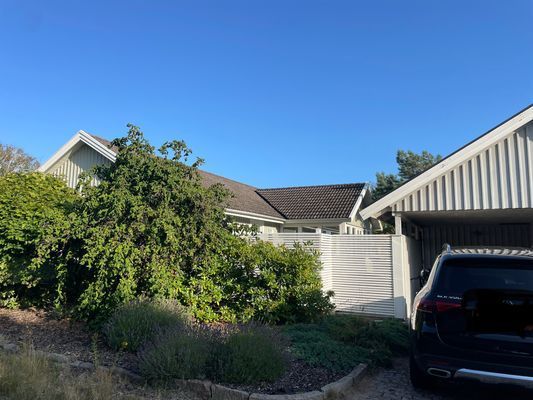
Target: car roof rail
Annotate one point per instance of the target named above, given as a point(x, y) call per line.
point(446, 248)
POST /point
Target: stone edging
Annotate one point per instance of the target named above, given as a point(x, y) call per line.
point(207, 390)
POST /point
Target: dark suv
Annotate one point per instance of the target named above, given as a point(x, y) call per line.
point(473, 319)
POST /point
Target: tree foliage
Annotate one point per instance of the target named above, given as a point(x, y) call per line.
point(150, 225)
point(36, 215)
point(14, 159)
point(150, 229)
point(410, 164)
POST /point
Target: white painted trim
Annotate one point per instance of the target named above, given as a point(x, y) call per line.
point(83, 137)
point(247, 214)
point(332, 221)
point(485, 141)
point(99, 147)
point(74, 140)
point(359, 201)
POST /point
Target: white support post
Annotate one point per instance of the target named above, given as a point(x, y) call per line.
point(398, 224)
point(342, 228)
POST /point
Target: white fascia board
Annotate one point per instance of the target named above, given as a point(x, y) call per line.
point(96, 145)
point(247, 214)
point(83, 137)
point(359, 201)
point(452, 161)
point(74, 140)
point(326, 221)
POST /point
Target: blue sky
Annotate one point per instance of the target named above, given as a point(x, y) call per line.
point(271, 93)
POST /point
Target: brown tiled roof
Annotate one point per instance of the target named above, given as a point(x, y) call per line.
point(245, 197)
point(305, 202)
point(314, 202)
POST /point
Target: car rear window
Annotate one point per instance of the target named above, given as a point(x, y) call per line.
point(457, 275)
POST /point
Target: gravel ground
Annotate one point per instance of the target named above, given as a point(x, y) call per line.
point(393, 384)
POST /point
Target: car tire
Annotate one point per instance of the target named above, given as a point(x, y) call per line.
point(419, 379)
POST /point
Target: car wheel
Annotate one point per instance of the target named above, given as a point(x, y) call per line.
point(419, 379)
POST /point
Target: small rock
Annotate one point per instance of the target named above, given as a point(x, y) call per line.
point(202, 389)
point(337, 388)
point(124, 373)
point(10, 347)
point(55, 357)
point(82, 365)
point(219, 392)
point(315, 395)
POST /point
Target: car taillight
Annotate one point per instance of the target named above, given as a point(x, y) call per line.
point(427, 305)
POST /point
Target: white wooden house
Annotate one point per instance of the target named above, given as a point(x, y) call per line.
point(331, 209)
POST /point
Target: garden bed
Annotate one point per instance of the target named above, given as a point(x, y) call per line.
point(63, 336)
point(74, 340)
point(317, 354)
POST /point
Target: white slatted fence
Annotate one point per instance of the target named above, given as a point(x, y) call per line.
point(358, 268)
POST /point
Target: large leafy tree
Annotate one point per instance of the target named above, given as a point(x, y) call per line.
point(14, 159)
point(151, 229)
point(410, 164)
point(149, 226)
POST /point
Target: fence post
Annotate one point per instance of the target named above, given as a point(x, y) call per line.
point(400, 291)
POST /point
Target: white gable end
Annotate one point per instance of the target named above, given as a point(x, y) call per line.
point(72, 165)
point(81, 153)
point(497, 177)
point(493, 172)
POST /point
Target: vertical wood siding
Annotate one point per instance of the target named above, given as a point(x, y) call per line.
point(505, 235)
point(82, 159)
point(358, 268)
point(497, 178)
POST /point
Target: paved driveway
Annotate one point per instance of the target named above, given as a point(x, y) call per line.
point(393, 384)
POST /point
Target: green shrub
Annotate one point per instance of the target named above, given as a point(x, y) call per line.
point(150, 228)
point(272, 284)
point(252, 354)
point(343, 327)
point(340, 342)
point(245, 354)
point(314, 346)
point(391, 333)
point(176, 354)
point(36, 226)
point(135, 323)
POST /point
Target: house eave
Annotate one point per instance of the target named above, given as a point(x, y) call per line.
point(453, 160)
point(322, 221)
point(248, 214)
point(80, 137)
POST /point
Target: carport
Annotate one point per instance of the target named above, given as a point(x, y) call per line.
point(480, 195)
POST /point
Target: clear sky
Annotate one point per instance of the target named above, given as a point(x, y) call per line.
point(271, 93)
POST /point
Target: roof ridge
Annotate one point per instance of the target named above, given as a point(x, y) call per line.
point(315, 186)
point(271, 205)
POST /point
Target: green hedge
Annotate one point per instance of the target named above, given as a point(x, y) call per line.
point(149, 229)
point(36, 230)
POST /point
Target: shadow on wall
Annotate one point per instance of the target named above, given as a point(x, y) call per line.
point(383, 308)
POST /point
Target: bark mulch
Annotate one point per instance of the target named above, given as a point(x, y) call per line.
point(70, 338)
point(73, 339)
